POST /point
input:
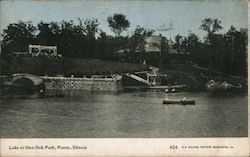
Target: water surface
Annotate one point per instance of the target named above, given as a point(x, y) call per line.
point(127, 114)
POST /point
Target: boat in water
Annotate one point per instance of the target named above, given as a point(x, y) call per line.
point(180, 102)
point(173, 90)
point(224, 86)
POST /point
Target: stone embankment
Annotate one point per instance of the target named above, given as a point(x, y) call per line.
point(113, 84)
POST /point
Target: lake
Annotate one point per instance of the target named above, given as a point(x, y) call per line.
point(123, 115)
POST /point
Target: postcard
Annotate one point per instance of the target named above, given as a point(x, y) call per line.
point(124, 78)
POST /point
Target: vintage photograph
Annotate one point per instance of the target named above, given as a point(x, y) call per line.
point(123, 69)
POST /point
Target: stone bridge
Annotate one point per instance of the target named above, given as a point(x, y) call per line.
point(36, 80)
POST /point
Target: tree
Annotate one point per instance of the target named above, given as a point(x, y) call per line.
point(179, 43)
point(235, 51)
point(70, 36)
point(91, 28)
point(118, 23)
point(137, 41)
point(139, 35)
point(103, 35)
point(211, 26)
point(17, 37)
point(48, 33)
point(192, 40)
point(192, 43)
point(193, 47)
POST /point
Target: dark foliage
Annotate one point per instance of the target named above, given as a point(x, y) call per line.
point(222, 52)
point(118, 23)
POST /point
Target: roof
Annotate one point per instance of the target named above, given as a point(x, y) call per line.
point(153, 43)
point(154, 39)
point(157, 39)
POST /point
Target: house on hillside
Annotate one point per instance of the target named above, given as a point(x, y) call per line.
point(153, 44)
point(156, 46)
point(39, 50)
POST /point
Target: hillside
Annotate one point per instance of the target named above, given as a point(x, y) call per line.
point(66, 66)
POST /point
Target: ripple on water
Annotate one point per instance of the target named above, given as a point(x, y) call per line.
point(135, 114)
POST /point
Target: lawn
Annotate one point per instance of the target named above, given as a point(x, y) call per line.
point(67, 66)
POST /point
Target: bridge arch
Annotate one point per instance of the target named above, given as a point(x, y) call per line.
point(22, 86)
point(23, 81)
point(25, 78)
point(27, 84)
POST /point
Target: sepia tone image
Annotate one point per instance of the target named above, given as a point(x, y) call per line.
point(123, 69)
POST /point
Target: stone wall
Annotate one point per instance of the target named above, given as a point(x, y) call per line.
point(88, 84)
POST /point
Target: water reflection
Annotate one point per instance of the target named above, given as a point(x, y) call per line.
point(127, 114)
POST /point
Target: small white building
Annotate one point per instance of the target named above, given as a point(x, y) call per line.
point(39, 50)
point(153, 44)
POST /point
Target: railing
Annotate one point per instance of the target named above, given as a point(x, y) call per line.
point(138, 78)
point(82, 78)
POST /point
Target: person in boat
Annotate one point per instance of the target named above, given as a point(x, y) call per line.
point(166, 99)
point(183, 99)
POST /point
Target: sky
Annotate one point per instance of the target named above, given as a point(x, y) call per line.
point(166, 17)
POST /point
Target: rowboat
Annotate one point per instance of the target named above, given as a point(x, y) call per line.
point(213, 86)
point(180, 102)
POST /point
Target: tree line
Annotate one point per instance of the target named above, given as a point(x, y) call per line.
point(85, 39)
point(222, 52)
point(82, 40)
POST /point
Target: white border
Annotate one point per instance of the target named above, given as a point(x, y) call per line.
point(130, 146)
point(126, 147)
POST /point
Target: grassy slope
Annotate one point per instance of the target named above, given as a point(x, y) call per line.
point(187, 74)
point(52, 66)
